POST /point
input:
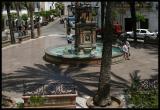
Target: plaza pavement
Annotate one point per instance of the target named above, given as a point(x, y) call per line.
point(24, 63)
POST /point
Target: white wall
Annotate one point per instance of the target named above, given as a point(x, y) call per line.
point(152, 17)
point(65, 7)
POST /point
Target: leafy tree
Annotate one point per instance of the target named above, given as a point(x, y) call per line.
point(14, 16)
point(139, 18)
point(24, 17)
point(54, 12)
point(46, 14)
point(59, 7)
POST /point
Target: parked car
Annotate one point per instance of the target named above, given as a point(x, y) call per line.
point(157, 33)
point(142, 34)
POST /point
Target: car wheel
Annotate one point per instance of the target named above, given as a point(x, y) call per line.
point(146, 39)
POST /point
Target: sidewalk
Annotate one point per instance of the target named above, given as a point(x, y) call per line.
point(35, 29)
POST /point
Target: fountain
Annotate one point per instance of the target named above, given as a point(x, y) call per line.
point(85, 50)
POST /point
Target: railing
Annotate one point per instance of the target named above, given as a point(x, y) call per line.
point(49, 89)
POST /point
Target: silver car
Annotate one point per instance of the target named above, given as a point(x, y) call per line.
point(142, 34)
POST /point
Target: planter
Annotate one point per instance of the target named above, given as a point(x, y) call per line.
point(6, 43)
point(58, 97)
point(23, 38)
point(54, 101)
point(7, 102)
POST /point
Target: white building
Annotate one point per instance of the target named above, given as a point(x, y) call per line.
point(46, 6)
point(150, 15)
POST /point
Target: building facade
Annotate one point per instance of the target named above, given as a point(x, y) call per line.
point(149, 10)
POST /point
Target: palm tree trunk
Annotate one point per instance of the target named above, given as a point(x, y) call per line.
point(10, 22)
point(17, 6)
point(77, 17)
point(102, 98)
point(38, 28)
point(31, 9)
point(133, 16)
point(102, 18)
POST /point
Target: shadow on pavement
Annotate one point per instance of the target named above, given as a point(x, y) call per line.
point(86, 83)
point(151, 48)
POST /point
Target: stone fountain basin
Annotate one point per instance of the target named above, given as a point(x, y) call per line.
point(66, 55)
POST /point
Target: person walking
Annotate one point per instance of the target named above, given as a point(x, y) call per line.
point(125, 51)
point(128, 45)
point(69, 38)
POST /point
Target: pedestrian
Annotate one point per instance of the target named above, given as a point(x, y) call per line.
point(125, 51)
point(128, 45)
point(23, 30)
point(20, 30)
point(65, 22)
point(69, 38)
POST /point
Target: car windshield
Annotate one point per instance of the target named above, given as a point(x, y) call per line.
point(149, 31)
point(137, 31)
point(71, 18)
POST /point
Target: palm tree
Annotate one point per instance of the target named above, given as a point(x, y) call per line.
point(102, 98)
point(18, 8)
point(30, 9)
point(38, 24)
point(8, 7)
point(102, 18)
point(133, 16)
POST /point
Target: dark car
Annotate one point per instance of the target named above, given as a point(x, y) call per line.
point(44, 23)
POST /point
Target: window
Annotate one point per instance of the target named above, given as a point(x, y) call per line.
point(143, 31)
point(137, 31)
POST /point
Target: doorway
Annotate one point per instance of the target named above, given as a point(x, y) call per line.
point(144, 25)
point(128, 24)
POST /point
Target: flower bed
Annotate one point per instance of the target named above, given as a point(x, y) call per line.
point(143, 95)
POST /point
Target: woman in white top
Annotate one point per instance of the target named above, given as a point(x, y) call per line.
point(125, 51)
point(128, 45)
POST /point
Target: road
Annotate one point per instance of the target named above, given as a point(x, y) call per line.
point(53, 28)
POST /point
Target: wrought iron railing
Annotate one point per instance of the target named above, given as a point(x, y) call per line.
point(49, 89)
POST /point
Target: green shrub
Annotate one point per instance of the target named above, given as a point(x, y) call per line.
point(36, 100)
point(24, 17)
point(143, 99)
point(14, 16)
point(142, 93)
point(20, 105)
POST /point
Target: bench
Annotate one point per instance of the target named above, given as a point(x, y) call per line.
point(23, 38)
